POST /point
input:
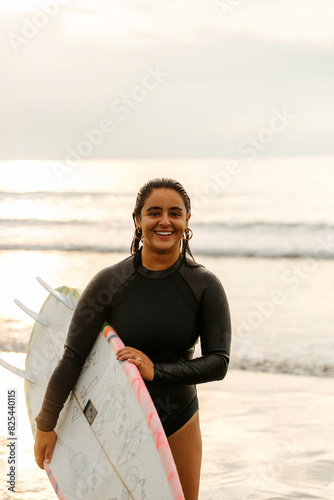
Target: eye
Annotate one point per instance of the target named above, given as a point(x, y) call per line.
point(175, 214)
point(154, 214)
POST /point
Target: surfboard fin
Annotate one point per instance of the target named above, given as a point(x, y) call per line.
point(38, 317)
point(22, 373)
point(64, 299)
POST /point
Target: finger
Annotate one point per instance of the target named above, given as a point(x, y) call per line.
point(39, 461)
point(128, 357)
point(127, 348)
point(123, 351)
point(137, 361)
point(133, 356)
point(48, 454)
point(123, 355)
point(38, 454)
point(126, 354)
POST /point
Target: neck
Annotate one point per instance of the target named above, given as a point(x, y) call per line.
point(158, 261)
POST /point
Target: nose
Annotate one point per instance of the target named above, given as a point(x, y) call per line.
point(164, 221)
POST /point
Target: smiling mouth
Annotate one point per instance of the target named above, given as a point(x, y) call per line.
point(164, 233)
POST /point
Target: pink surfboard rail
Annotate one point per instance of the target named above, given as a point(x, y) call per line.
point(150, 412)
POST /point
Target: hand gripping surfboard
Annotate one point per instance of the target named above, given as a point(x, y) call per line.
point(110, 441)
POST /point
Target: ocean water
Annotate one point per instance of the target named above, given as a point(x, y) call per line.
point(265, 228)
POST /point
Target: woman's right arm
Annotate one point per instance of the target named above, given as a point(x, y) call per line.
point(87, 320)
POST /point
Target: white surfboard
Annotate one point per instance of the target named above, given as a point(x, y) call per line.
point(110, 441)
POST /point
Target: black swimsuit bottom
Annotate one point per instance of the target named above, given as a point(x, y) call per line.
point(161, 313)
point(179, 419)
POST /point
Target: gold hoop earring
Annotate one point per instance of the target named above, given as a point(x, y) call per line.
point(187, 234)
point(139, 234)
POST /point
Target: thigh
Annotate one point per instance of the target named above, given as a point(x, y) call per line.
point(186, 447)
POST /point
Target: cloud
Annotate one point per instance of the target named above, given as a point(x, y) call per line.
point(294, 21)
point(222, 86)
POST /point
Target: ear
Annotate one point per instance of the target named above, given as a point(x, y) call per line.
point(188, 219)
point(137, 221)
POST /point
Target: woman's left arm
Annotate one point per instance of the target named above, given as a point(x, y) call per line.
point(215, 334)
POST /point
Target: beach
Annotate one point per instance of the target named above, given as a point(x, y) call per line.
point(266, 436)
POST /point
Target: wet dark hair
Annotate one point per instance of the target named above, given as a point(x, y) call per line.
point(144, 192)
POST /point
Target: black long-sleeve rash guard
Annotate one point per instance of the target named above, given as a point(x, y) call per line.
point(161, 313)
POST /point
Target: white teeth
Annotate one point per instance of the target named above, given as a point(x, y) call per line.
point(163, 234)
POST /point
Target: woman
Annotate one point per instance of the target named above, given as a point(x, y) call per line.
point(159, 301)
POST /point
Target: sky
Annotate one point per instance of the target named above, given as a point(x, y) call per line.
point(169, 79)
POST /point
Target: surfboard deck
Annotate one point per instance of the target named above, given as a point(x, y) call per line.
point(110, 441)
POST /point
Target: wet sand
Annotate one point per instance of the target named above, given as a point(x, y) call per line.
point(265, 437)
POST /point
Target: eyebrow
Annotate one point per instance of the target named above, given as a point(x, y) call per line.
point(159, 208)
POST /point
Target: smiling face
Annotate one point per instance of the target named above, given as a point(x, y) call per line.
point(163, 221)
